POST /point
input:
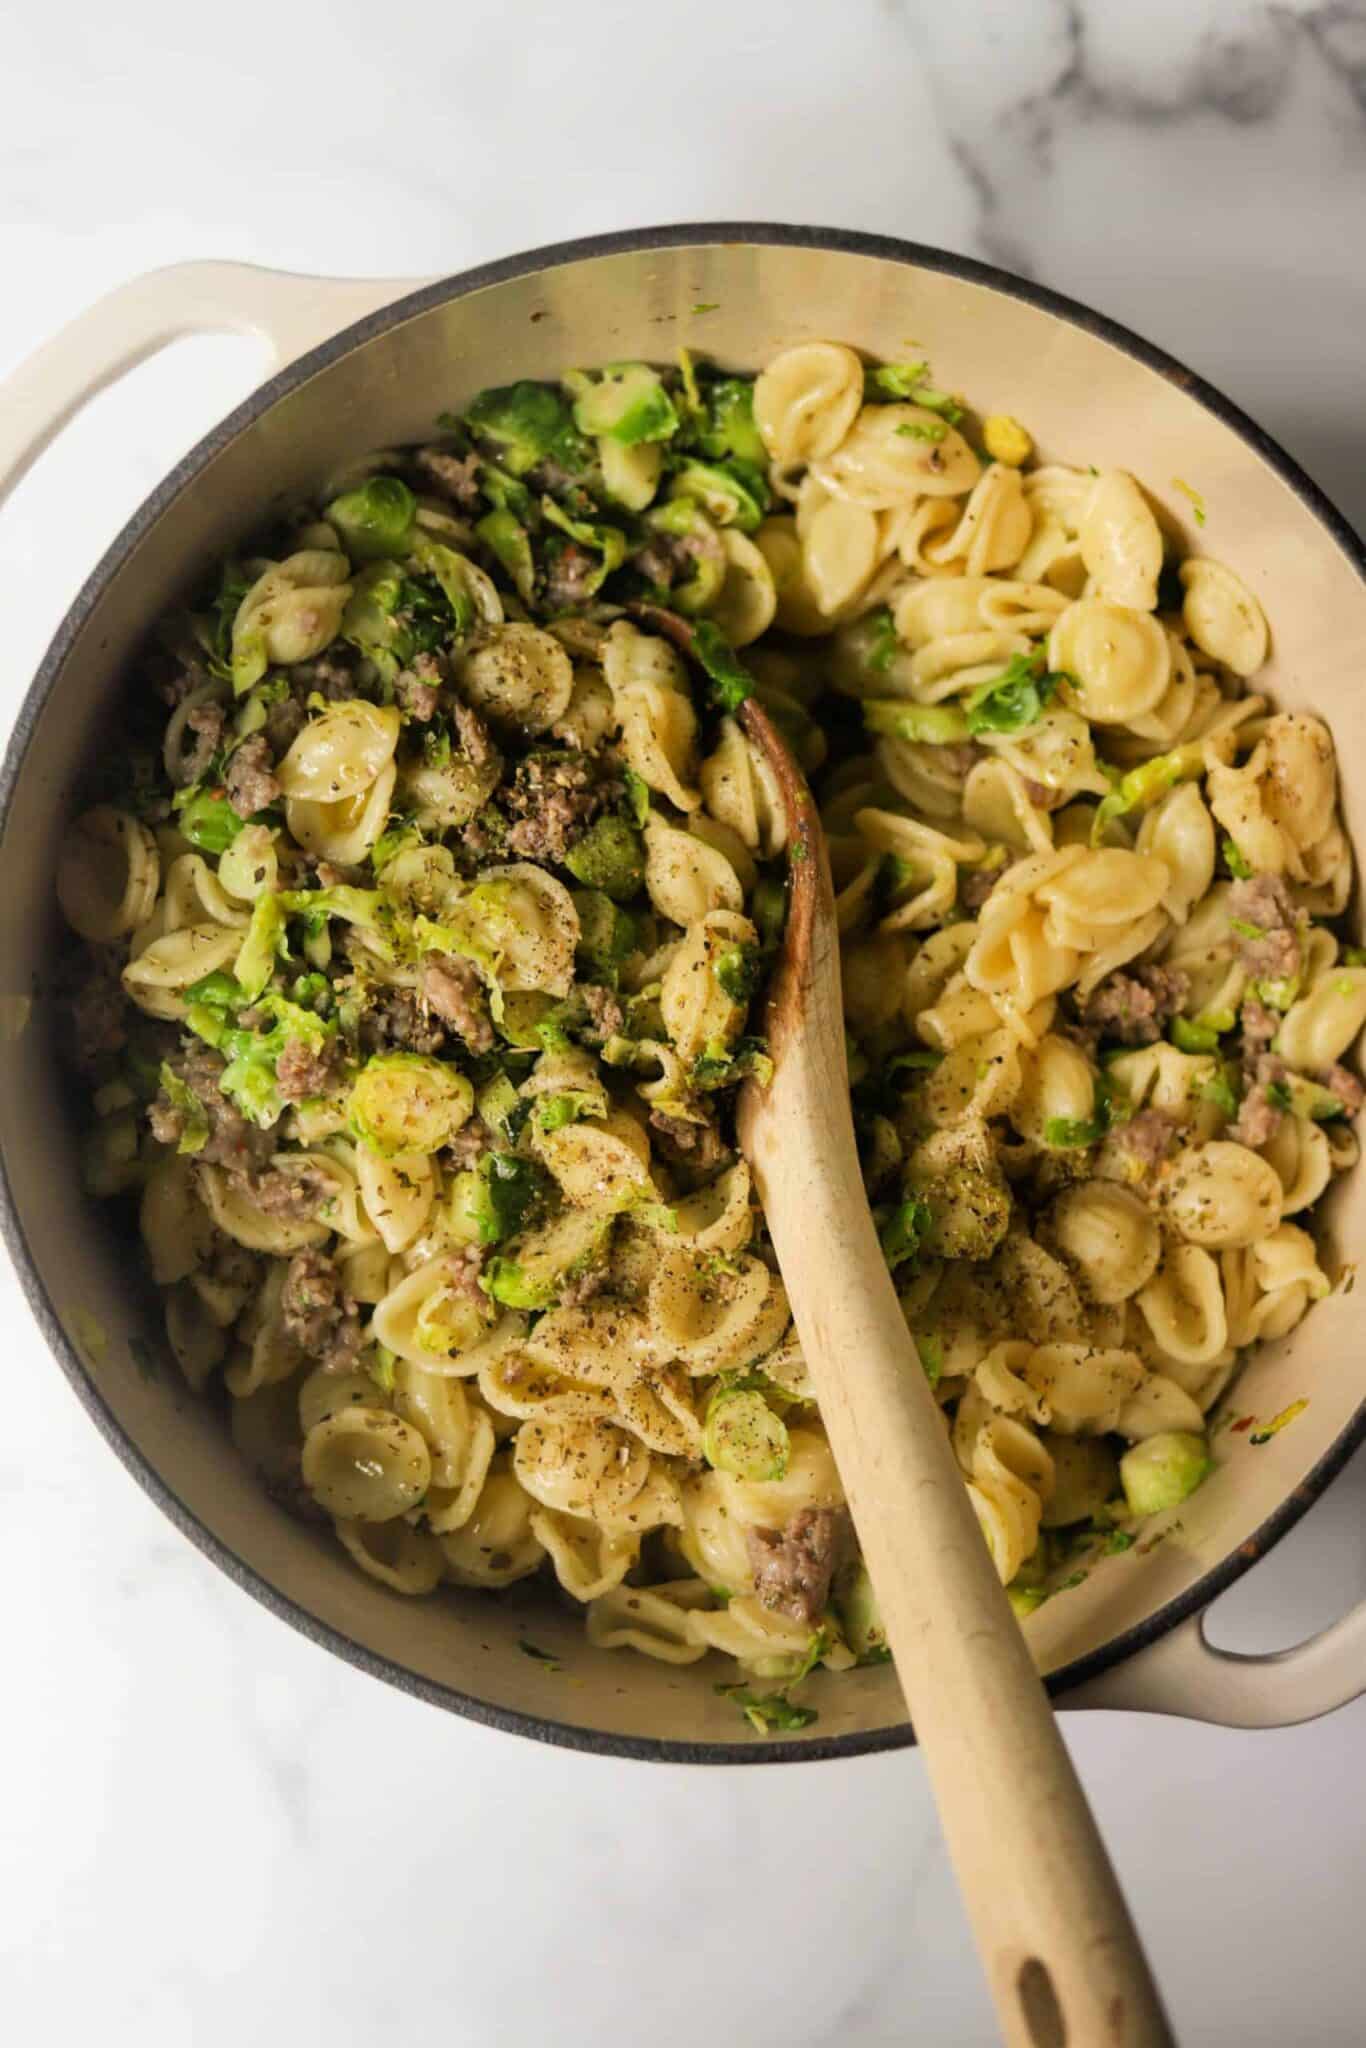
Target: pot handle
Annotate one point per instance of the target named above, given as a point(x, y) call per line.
point(1183, 1673)
point(289, 312)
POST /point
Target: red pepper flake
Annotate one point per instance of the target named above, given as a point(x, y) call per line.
point(1243, 1422)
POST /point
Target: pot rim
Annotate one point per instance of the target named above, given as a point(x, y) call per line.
point(556, 255)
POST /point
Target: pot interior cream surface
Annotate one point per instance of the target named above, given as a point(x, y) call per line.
point(1085, 401)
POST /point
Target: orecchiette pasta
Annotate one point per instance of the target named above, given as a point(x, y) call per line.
point(418, 964)
point(431, 1315)
point(1009, 1477)
point(520, 677)
point(1179, 833)
point(1271, 1284)
point(108, 874)
point(1078, 1389)
point(397, 1194)
point(896, 452)
point(715, 1319)
point(1119, 660)
point(1183, 1306)
point(697, 1007)
point(160, 974)
point(588, 1560)
point(497, 1544)
point(240, 1213)
point(797, 607)
point(685, 877)
point(1110, 1236)
point(839, 543)
point(406, 1560)
point(366, 1464)
point(994, 530)
point(1222, 617)
point(739, 791)
point(1120, 542)
point(806, 401)
point(1221, 1195)
point(1320, 1027)
point(291, 613)
point(1302, 1159)
point(599, 1164)
point(651, 702)
point(745, 605)
point(652, 1619)
point(340, 753)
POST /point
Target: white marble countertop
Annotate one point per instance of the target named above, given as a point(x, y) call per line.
point(212, 1832)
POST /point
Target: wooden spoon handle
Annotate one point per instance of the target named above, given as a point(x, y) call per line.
point(1060, 1950)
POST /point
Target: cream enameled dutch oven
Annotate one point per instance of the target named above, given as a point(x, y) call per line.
point(369, 364)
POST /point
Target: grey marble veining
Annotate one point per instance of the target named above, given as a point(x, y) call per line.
point(1198, 170)
point(213, 1832)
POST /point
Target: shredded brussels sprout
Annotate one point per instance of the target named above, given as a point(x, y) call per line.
point(426, 911)
point(406, 1102)
point(744, 1437)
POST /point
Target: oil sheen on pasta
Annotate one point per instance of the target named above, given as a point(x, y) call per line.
point(421, 931)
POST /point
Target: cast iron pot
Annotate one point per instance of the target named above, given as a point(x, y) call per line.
point(370, 364)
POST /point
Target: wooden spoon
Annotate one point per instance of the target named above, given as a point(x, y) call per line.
point(1061, 1953)
point(1060, 1950)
